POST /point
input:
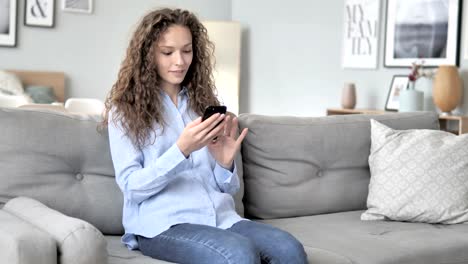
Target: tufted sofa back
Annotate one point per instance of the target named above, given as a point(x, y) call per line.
point(63, 161)
point(297, 166)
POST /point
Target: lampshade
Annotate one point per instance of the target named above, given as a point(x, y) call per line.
point(447, 89)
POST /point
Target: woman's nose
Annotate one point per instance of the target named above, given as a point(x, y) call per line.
point(179, 59)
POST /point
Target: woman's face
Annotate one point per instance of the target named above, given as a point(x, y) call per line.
point(174, 55)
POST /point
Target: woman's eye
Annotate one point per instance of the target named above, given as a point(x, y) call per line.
point(166, 53)
point(187, 51)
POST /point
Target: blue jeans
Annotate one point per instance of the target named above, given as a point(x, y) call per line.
point(244, 243)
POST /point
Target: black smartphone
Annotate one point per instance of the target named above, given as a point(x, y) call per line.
point(211, 110)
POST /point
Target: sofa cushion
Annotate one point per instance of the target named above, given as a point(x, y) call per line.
point(23, 243)
point(417, 176)
point(78, 242)
point(344, 238)
point(119, 254)
point(62, 161)
point(295, 166)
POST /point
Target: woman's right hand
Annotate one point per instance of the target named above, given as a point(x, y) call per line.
point(198, 134)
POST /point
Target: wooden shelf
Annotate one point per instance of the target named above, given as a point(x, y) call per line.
point(445, 121)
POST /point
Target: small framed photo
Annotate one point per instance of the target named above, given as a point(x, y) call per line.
point(39, 13)
point(399, 83)
point(8, 13)
point(422, 30)
point(79, 6)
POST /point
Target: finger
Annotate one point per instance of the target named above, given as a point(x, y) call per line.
point(194, 122)
point(205, 124)
point(234, 127)
point(220, 121)
point(242, 136)
point(227, 127)
point(216, 132)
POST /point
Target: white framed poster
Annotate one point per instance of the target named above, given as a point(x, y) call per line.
point(39, 13)
point(361, 34)
point(422, 30)
point(8, 13)
point(79, 6)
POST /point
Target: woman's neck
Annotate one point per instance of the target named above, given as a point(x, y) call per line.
point(172, 90)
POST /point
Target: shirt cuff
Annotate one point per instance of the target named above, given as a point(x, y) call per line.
point(172, 158)
point(224, 175)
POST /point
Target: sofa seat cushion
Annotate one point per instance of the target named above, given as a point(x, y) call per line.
point(119, 254)
point(344, 238)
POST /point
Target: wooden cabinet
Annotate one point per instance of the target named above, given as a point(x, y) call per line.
point(453, 123)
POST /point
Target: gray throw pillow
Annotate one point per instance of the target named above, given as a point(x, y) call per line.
point(417, 176)
point(41, 94)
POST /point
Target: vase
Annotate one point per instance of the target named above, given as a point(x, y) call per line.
point(411, 100)
point(447, 90)
point(348, 96)
point(425, 85)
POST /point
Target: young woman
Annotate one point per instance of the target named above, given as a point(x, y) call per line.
point(176, 172)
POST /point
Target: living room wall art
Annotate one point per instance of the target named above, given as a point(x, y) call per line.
point(360, 34)
point(465, 34)
point(79, 6)
point(426, 30)
point(39, 13)
point(399, 83)
point(8, 13)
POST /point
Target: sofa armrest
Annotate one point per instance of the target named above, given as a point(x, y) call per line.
point(23, 243)
point(78, 241)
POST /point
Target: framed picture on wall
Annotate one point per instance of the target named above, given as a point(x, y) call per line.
point(8, 13)
point(39, 13)
point(399, 83)
point(79, 6)
point(422, 30)
point(360, 34)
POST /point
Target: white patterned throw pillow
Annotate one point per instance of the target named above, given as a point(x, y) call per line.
point(417, 175)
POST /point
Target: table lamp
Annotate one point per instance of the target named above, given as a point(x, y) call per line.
point(447, 89)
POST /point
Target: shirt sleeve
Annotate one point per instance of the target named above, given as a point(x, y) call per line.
point(227, 181)
point(137, 182)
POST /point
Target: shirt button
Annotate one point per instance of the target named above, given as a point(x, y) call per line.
point(79, 177)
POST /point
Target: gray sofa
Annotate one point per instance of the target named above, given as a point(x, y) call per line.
point(308, 176)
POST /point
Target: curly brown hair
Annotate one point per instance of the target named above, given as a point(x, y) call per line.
point(135, 99)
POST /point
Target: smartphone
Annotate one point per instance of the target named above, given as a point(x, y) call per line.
point(211, 110)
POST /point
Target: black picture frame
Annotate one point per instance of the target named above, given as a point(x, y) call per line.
point(8, 23)
point(439, 45)
point(39, 13)
point(399, 82)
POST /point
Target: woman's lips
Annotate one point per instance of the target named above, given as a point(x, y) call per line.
point(178, 72)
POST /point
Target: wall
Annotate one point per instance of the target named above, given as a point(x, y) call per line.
point(291, 52)
point(90, 48)
point(291, 59)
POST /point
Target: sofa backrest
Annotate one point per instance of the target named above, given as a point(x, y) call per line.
point(297, 166)
point(64, 162)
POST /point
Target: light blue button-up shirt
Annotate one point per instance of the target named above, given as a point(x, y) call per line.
point(162, 188)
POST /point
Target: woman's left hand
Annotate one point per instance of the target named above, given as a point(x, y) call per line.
point(224, 148)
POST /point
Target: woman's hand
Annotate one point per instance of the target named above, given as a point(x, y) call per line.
point(225, 147)
point(198, 134)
